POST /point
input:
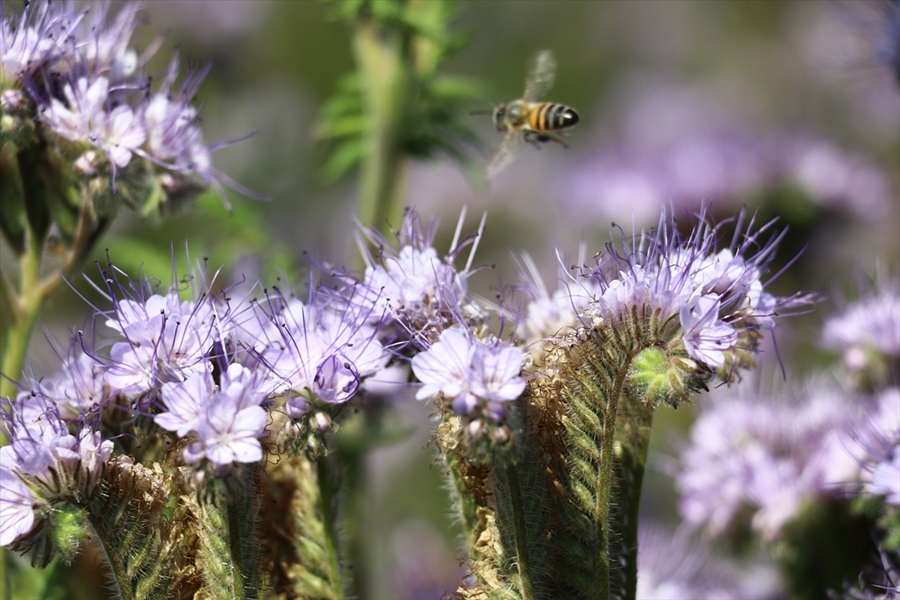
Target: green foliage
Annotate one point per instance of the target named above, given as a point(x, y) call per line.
point(433, 105)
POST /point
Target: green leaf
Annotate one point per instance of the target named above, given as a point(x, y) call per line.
point(344, 158)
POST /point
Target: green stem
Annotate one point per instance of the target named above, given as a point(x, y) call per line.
point(25, 307)
point(24, 311)
point(385, 70)
point(633, 441)
point(604, 481)
point(526, 585)
point(328, 521)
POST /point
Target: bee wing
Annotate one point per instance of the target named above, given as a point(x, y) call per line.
point(506, 153)
point(540, 78)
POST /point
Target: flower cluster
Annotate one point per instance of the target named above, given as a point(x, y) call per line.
point(717, 297)
point(409, 289)
point(43, 459)
point(215, 378)
point(470, 372)
point(867, 332)
point(776, 453)
point(76, 76)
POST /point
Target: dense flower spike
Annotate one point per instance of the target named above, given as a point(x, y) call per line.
point(86, 85)
point(43, 461)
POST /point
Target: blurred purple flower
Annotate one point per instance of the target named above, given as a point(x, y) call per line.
point(869, 329)
point(672, 566)
point(885, 479)
point(89, 88)
point(770, 455)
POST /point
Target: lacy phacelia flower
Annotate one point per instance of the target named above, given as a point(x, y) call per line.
point(315, 349)
point(16, 502)
point(88, 89)
point(717, 297)
point(78, 387)
point(228, 429)
point(470, 372)
point(198, 406)
point(45, 459)
point(412, 290)
point(167, 340)
point(549, 315)
point(773, 454)
point(867, 332)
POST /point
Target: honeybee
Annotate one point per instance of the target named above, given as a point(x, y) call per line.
point(530, 121)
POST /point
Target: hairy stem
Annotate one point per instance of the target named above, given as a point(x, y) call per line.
point(526, 585)
point(632, 443)
point(383, 58)
point(326, 499)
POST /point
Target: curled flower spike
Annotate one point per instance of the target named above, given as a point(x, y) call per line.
point(44, 463)
point(717, 299)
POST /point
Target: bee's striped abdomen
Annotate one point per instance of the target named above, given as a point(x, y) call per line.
point(552, 116)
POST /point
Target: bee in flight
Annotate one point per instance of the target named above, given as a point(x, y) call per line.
point(528, 120)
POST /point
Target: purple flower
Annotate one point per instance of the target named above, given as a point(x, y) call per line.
point(549, 315)
point(706, 337)
point(673, 566)
point(444, 367)
point(228, 433)
point(885, 479)
point(83, 118)
point(43, 458)
point(718, 297)
point(315, 349)
point(16, 502)
point(87, 86)
point(166, 340)
point(769, 455)
point(78, 387)
point(868, 329)
point(185, 402)
point(469, 371)
point(411, 288)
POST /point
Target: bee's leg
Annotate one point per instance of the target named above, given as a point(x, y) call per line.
point(534, 138)
point(547, 136)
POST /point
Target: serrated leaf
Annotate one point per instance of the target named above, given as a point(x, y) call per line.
point(344, 127)
point(344, 158)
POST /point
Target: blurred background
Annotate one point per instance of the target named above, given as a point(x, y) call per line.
point(790, 108)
